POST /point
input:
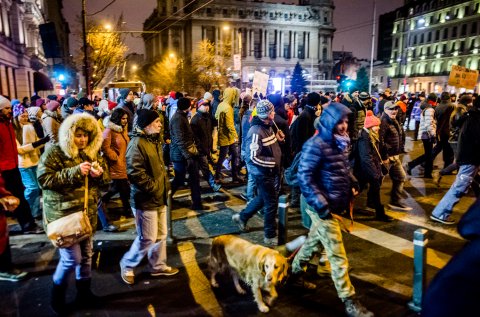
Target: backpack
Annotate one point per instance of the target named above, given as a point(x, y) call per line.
point(290, 173)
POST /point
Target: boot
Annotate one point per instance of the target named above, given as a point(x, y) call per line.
point(58, 299)
point(381, 216)
point(85, 297)
point(213, 185)
point(354, 308)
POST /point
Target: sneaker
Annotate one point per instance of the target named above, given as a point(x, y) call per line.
point(110, 228)
point(354, 308)
point(226, 165)
point(168, 271)
point(398, 206)
point(13, 275)
point(244, 196)
point(242, 225)
point(127, 275)
point(445, 219)
point(383, 218)
point(270, 242)
point(216, 187)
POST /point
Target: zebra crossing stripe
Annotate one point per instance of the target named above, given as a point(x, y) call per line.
point(434, 258)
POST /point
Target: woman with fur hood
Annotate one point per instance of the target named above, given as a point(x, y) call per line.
point(114, 147)
point(61, 174)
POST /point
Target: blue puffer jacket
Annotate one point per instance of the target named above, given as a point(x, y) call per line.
point(324, 171)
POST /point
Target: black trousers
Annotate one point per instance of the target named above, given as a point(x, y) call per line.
point(121, 186)
point(13, 183)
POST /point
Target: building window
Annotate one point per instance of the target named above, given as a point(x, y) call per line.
point(437, 35)
point(301, 52)
point(286, 51)
point(476, 7)
point(445, 34)
point(454, 31)
point(464, 30)
point(422, 38)
point(396, 43)
point(272, 51)
point(473, 30)
point(467, 10)
point(462, 46)
point(414, 40)
point(429, 37)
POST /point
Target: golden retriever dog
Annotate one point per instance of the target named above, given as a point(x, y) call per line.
point(260, 267)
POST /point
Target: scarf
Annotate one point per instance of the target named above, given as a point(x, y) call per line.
point(343, 141)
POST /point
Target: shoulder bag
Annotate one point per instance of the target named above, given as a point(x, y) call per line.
point(70, 229)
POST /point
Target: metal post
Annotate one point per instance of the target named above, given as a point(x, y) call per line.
point(420, 242)
point(282, 219)
point(373, 47)
point(170, 236)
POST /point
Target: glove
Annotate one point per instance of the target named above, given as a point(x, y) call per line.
point(41, 142)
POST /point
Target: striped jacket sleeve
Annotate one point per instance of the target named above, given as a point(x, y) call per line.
point(257, 144)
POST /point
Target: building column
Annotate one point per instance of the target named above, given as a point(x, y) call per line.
point(170, 46)
point(252, 42)
point(266, 46)
point(295, 45)
point(320, 47)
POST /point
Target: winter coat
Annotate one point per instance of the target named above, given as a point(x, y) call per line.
point(202, 128)
point(442, 114)
point(454, 290)
point(416, 111)
point(302, 128)
point(8, 146)
point(114, 148)
point(51, 121)
point(428, 124)
point(286, 145)
point(59, 172)
point(264, 157)
point(391, 137)
point(183, 145)
point(456, 121)
point(370, 166)
point(146, 172)
point(246, 120)
point(227, 135)
point(324, 170)
point(172, 107)
point(28, 155)
point(469, 140)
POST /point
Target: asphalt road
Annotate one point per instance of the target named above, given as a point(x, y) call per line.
point(380, 255)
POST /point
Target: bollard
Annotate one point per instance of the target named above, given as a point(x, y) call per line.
point(170, 236)
point(282, 219)
point(420, 242)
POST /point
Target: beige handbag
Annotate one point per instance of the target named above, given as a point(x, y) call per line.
point(71, 229)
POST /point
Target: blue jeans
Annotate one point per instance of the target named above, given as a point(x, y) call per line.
point(251, 188)
point(32, 189)
point(151, 225)
point(465, 176)
point(78, 257)
point(267, 198)
point(181, 169)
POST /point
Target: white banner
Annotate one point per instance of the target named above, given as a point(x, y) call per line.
point(237, 62)
point(260, 83)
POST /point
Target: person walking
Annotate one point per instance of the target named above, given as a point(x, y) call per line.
point(62, 174)
point(263, 163)
point(149, 187)
point(391, 145)
point(369, 169)
point(428, 134)
point(468, 160)
point(328, 187)
point(10, 169)
point(443, 112)
point(28, 146)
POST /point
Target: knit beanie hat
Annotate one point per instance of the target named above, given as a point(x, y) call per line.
point(52, 97)
point(145, 117)
point(364, 95)
point(264, 108)
point(4, 102)
point(53, 105)
point(15, 102)
point(183, 103)
point(72, 102)
point(32, 112)
point(39, 102)
point(18, 109)
point(371, 120)
point(171, 94)
point(208, 96)
point(432, 96)
point(124, 92)
point(445, 96)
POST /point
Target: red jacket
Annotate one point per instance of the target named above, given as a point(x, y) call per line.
point(8, 146)
point(3, 219)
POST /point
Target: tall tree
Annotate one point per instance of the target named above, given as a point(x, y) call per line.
point(210, 67)
point(163, 74)
point(106, 49)
point(298, 82)
point(362, 81)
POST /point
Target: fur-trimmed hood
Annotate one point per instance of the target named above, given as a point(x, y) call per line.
point(115, 127)
point(83, 121)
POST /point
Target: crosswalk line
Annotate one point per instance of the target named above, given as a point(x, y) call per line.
point(434, 258)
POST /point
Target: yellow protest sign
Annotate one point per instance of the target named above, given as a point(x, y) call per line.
point(462, 77)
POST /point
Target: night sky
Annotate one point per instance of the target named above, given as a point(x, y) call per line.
point(352, 19)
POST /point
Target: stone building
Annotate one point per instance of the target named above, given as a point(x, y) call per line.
point(270, 37)
point(428, 37)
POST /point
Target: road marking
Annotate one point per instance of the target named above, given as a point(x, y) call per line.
point(383, 282)
point(198, 282)
point(434, 258)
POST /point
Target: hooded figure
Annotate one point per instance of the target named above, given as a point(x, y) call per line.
point(61, 174)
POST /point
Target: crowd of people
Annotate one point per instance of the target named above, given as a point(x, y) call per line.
point(144, 147)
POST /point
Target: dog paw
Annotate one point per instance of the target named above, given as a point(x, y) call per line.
point(241, 291)
point(214, 284)
point(269, 301)
point(263, 308)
